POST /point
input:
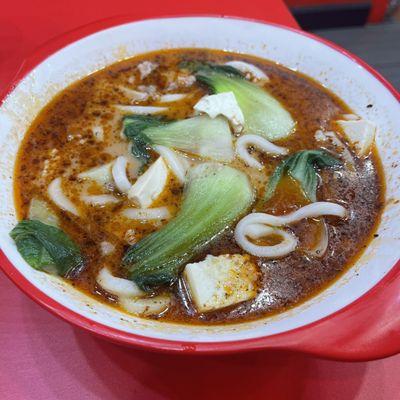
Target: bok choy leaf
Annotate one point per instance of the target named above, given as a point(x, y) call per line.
point(302, 166)
point(263, 114)
point(134, 127)
point(215, 197)
point(47, 248)
point(206, 137)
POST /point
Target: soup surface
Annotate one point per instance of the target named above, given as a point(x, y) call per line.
point(83, 129)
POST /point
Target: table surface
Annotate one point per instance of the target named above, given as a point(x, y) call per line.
point(375, 44)
point(44, 358)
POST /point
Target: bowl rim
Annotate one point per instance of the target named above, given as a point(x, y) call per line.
point(286, 340)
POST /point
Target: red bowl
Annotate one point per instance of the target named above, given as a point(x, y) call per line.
point(366, 328)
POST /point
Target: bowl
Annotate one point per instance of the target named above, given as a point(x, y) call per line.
point(355, 318)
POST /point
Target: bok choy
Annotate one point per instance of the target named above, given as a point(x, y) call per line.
point(203, 136)
point(215, 197)
point(302, 166)
point(47, 248)
point(263, 114)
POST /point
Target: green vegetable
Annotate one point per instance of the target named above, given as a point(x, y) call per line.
point(196, 66)
point(134, 127)
point(302, 166)
point(206, 137)
point(47, 248)
point(263, 114)
point(215, 197)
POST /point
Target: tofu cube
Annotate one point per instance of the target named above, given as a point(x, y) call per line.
point(360, 133)
point(219, 282)
point(150, 185)
point(222, 104)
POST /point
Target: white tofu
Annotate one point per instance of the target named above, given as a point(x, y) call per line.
point(102, 174)
point(360, 133)
point(150, 185)
point(219, 282)
point(222, 104)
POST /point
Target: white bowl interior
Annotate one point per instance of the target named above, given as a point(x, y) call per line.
point(350, 81)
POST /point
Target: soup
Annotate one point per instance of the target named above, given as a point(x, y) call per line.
point(197, 186)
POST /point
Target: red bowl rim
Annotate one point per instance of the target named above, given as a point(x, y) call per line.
point(283, 341)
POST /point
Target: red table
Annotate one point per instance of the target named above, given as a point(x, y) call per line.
point(42, 358)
